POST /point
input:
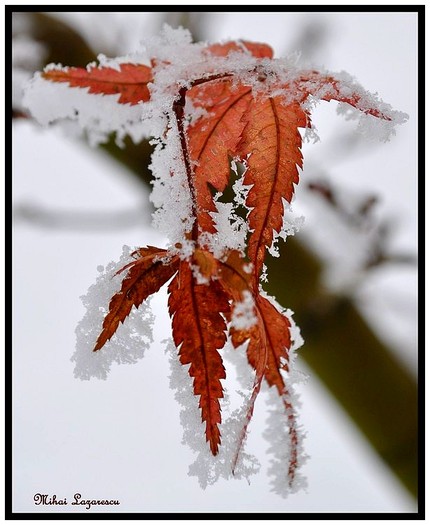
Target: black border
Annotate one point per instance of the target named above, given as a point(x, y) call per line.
point(420, 515)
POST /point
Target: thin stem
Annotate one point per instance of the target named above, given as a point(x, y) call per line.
point(179, 110)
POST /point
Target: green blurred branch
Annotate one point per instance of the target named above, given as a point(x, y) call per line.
point(359, 370)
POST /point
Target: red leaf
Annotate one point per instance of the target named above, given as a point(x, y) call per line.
point(269, 338)
point(271, 137)
point(260, 127)
point(233, 276)
point(144, 277)
point(275, 336)
point(255, 48)
point(268, 353)
point(131, 82)
point(198, 332)
point(269, 342)
point(262, 131)
point(327, 87)
point(212, 138)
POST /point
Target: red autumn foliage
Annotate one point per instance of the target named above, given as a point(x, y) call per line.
point(263, 133)
point(130, 82)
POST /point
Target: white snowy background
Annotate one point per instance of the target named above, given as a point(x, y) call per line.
point(121, 438)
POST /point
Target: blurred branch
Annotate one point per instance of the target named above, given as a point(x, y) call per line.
point(194, 21)
point(356, 218)
point(312, 39)
point(40, 216)
point(359, 218)
point(62, 43)
point(360, 371)
point(136, 157)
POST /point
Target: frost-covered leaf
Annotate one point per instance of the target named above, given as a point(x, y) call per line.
point(145, 276)
point(269, 343)
point(131, 339)
point(210, 108)
point(199, 333)
point(256, 49)
point(267, 329)
point(130, 81)
point(213, 138)
point(272, 140)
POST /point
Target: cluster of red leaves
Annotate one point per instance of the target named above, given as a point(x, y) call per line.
point(264, 133)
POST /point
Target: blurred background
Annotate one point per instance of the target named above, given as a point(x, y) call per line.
point(350, 276)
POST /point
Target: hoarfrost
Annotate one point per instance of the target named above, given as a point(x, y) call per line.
point(241, 191)
point(373, 128)
point(97, 115)
point(243, 316)
point(279, 425)
point(115, 63)
point(132, 337)
point(27, 55)
point(282, 410)
point(206, 467)
point(279, 422)
point(173, 45)
point(278, 435)
point(231, 228)
point(297, 341)
point(290, 226)
point(264, 274)
point(177, 63)
point(245, 374)
point(171, 194)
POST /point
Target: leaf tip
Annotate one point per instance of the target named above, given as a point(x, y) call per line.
point(99, 343)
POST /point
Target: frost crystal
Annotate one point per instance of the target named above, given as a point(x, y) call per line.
point(97, 115)
point(171, 194)
point(231, 229)
point(176, 62)
point(131, 338)
point(278, 434)
point(371, 127)
point(205, 467)
point(290, 226)
point(244, 313)
point(294, 375)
